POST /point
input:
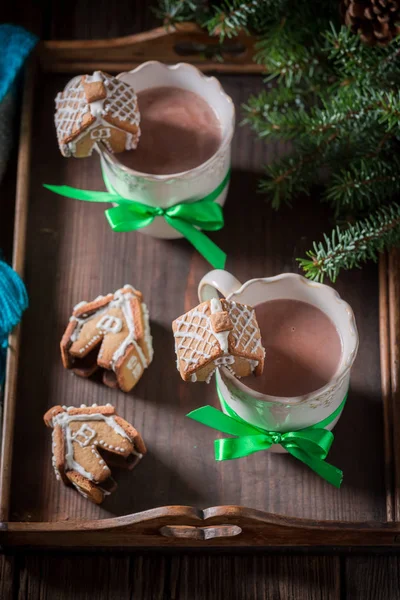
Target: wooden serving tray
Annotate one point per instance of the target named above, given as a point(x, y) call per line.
point(67, 253)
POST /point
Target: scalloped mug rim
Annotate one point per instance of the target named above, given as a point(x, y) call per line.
point(339, 375)
point(111, 158)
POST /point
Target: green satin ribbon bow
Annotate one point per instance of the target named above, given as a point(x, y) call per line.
point(185, 217)
point(310, 445)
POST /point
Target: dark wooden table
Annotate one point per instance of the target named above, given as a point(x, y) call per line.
point(183, 576)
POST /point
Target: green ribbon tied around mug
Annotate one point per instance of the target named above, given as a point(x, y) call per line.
point(310, 445)
point(186, 217)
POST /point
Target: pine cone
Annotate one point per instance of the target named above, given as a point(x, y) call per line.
point(376, 21)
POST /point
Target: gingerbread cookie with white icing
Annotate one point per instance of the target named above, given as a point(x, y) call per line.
point(86, 442)
point(111, 333)
point(96, 108)
point(218, 333)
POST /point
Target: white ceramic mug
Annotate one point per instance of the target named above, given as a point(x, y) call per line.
point(270, 412)
point(166, 190)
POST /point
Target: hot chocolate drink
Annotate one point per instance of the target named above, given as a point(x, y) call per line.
point(303, 348)
point(179, 131)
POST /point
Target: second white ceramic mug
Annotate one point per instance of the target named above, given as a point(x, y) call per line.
point(294, 413)
point(166, 190)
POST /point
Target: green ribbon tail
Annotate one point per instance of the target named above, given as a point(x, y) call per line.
point(329, 472)
point(85, 195)
point(207, 248)
point(310, 445)
point(212, 417)
point(230, 448)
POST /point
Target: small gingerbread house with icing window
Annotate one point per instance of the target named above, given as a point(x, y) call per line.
point(111, 333)
point(218, 333)
point(86, 442)
point(95, 108)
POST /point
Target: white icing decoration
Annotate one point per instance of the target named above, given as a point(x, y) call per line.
point(53, 459)
point(147, 335)
point(134, 366)
point(84, 435)
point(193, 377)
point(222, 336)
point(100, 134)
point(64, 419)
point(194, 340)
point(210, 376)
point(224, 360)
point(80, 490)
point(253, 364)
point(96, 77)
point(187, 353)
point(71, 105)
point(80, 305)
point(244, 323)
point(111, 324)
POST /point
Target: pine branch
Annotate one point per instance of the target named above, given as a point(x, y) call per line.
point(364, 183)
point(259, 109)
point(232, 17)
point(336, 100)
point(349, 248)
point(177, 11)
point(288, 56)
point(351, 57)
point(292, 174)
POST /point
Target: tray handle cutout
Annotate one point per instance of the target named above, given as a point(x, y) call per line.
point(200, 533)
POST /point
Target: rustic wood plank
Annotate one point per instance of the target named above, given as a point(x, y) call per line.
point(182, 577)
point(280, 577)
point(162, 44)
point(372, 578)
point(32, 15)
point(20, 224)
point(394, 328)
point(83, 577)
point(148, 576)
point(386, 382)
point(8, 569)
point(7, 205)
point(81, 20)
point(80, 257)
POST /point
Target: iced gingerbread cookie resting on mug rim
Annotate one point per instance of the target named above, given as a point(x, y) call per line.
point(94, 108)
point(218, 333)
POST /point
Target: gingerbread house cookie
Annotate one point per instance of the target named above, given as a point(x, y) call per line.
point(218, 333)
point(94, 108)
point(86, 442)
point(111, 333)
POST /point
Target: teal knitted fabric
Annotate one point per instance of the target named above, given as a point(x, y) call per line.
point(15, 45)
point(13, 302)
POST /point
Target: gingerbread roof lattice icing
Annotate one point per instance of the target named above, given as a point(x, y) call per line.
point(218, 333)
point(95, 108)
point(86, 441)
point(111, 333)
